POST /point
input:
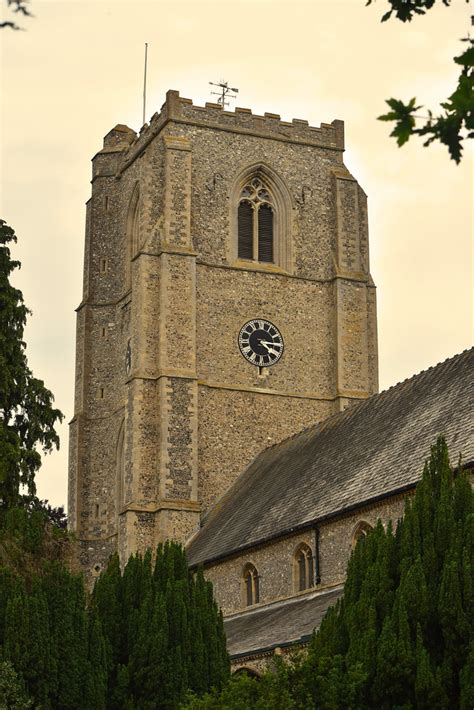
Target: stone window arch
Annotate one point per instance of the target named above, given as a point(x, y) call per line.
point(261, 218)
point(360, 530)
point(255, 218)
point(250, 585)
point(133, 239)
point(303, 568)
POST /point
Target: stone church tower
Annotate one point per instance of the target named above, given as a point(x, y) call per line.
point(205, 221)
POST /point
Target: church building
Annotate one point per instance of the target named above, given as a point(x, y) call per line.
point(228, 306)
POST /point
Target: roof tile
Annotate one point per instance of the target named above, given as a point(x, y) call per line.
point(370, 450)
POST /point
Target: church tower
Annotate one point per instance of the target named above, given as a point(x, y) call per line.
point(227, 304)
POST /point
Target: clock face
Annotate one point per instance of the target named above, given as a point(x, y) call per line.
point(260, 342)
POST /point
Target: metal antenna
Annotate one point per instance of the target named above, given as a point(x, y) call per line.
point(144, 83)
point(225, 92)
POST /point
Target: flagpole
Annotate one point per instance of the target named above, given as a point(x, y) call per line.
point(144, 84)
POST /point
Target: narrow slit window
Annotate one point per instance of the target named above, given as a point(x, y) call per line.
point(303, 568)
point(103, 266)
point(251, 585)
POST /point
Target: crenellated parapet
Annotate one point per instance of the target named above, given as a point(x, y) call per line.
point(181, 110)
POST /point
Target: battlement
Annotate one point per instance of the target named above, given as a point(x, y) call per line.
point(182, 110)
point(270, 123)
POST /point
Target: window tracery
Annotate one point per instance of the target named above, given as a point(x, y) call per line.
point(261, 219)
point(255, 222)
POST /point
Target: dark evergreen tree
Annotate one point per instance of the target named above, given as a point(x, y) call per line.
point(53, 642)
point(13, 695)
point(401, 637)
point(27, 416)
point(163, 631)
point(406, 621)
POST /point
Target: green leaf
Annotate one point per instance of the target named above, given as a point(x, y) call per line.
point(466, 59)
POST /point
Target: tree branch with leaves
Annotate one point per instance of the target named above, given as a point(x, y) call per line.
point(16, 6)
point(456, 122)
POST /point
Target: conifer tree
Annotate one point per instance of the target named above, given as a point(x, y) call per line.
point(13, 695)
point(406, 620)
point(401, 637)
point(163, 631)
point(53, 642)
point(27, 416)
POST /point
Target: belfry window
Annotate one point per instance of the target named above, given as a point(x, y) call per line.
point(251, 587)
point(303, 568)
point(255, 218)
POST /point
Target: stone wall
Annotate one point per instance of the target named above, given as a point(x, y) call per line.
point(275, 560)
point(167, 411)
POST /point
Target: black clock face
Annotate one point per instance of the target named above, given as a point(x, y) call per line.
point(260, 342)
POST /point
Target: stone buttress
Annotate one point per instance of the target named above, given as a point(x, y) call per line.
point(167, 411)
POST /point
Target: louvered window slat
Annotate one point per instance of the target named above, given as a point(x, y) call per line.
point(245, 230)
point(265, 233)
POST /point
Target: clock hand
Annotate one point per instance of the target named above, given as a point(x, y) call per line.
point(265, 344)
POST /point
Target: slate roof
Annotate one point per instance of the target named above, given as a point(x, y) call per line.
point(278, 624)
point(372, 449)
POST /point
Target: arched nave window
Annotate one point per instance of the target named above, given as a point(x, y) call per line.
point(360, 530)
point(251, 585)
point(303, 567)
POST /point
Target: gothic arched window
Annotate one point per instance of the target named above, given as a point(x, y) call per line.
point(255, 218)
point(303, 568)
point(251, 587)
point(360, 530)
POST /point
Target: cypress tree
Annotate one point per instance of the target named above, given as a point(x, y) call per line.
point(197, 660)
point(95, 679)
point(152, 616)
point(467, 681)
point(107, 604)
point(13, 695)
point(405, 623)
point(401, 637)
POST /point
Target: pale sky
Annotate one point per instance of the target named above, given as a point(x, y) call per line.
point(77, 71)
